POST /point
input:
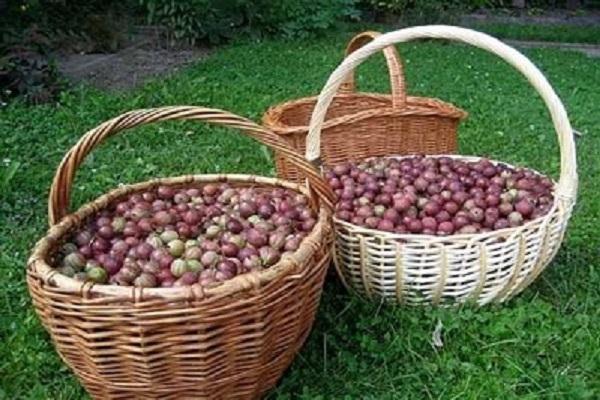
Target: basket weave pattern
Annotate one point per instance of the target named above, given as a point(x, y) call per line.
point(482, 267)
point(362, 125)
point(230, 340)
point(418, 269)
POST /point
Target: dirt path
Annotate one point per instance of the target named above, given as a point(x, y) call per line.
point(591, 50)
point(128, 67)
point(548, 17)
point(145, 57)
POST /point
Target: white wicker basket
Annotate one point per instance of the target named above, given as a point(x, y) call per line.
point(423, 269)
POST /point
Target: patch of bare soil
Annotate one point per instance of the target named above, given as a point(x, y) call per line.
point(546, 17)
point(145, 58)
point(591, 50)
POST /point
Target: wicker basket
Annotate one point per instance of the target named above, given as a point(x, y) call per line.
point(486, 267)
point(230, 340)
point(361, 125)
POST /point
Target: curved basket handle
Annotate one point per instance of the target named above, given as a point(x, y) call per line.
point(567, 184)
point(58, 202)
point(394, 64)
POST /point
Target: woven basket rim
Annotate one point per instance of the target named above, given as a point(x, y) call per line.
point(464, 237)
point(414, 104)
point(38, 265)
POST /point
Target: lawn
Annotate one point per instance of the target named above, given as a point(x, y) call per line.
point(542, 345)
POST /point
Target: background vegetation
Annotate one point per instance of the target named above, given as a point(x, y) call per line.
point(32, 31)
point(542, 345)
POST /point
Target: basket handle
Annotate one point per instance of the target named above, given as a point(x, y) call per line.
point(60, 191)
point(394, 64)
point(567, 184)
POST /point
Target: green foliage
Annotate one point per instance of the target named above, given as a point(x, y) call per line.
point(430, 11)
point(299, 18)
point(392, 6)
point(216, 21)
point(196, 19)
point(31, 29)
point(434, 11)
point(26, 70)
point(542, 345)
point(400, 7)
point(78, 25)
point(415, 12)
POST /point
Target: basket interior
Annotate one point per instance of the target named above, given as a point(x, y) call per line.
point(230, 340)
point(298, 113)
point(449, 270)
point(458, 240)
point(48, 248)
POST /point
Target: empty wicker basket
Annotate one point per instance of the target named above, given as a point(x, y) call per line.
point(230, 340)
point(361, 125)
point(484, 267)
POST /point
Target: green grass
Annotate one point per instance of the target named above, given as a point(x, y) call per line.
point(549, 33)
point(542, 345)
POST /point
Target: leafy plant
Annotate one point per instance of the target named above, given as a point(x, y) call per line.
point(216, 21)
point(391, 6)
point(90, 26)
point(7, 174)
point(29, 29)
point(426, 11)
point(300, 18)
point(26, 69)
point(195, 20)
point(415, 12)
